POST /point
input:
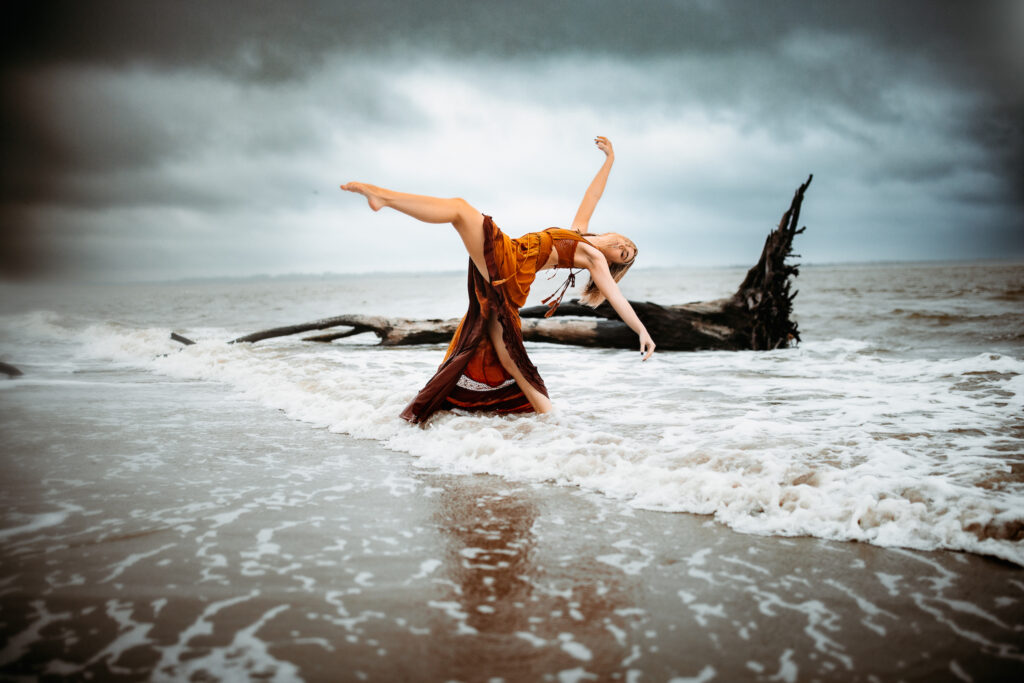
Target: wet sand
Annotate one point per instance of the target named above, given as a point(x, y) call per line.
point(147, 540)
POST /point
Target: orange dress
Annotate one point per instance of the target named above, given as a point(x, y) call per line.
point(471, 376)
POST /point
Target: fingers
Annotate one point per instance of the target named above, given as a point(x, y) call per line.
point(647, 347)
point(604, 144)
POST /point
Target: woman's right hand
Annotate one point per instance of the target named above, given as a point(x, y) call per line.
point(646, 345)
point(605, 145)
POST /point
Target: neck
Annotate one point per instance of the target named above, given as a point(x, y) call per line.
point(603, 244)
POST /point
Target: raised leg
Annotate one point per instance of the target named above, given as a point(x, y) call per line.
point(540, 402)
point(468, 222)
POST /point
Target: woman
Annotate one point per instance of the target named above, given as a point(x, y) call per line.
point(486, 366)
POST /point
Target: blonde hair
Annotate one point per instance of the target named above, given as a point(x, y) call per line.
point(591, 295)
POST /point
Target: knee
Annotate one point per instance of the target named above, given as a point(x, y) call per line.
point(465, 215)
point(463, 209)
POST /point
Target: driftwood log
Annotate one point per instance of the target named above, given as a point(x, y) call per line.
point(756, 317)
point(9, 370)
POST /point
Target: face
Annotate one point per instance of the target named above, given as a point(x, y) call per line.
point(617, 249)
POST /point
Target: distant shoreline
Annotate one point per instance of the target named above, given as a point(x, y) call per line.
point(294, 277)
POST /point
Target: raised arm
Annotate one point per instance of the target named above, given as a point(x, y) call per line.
point(593, 194)
point(598, 267)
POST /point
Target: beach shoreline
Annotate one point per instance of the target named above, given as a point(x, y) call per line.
point(136, 544)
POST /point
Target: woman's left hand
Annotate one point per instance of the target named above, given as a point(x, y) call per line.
point(646, 345)
point(605, 145)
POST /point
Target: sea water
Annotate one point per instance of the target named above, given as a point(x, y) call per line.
point(898, 420)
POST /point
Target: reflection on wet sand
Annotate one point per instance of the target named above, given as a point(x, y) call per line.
point(530, 612)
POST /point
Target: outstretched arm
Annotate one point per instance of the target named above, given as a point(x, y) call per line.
point(610, 288)
point(593, 194)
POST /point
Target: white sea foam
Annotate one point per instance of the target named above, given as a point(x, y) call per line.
point(824, 440)
point(427, 567)
point(706, 674)
point(840, 438)
point(575, 648)
point(18, 643)
point(532, 639)
point(41, 521)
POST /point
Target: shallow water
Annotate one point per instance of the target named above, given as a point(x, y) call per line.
point(177, 531)
point(899, 420)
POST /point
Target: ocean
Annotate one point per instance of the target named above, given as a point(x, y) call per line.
point(146, 481)
point(898, 421)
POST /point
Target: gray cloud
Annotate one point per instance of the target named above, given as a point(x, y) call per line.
point(975, 41)
point(136, 114)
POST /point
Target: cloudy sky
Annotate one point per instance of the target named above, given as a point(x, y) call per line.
point(157, 140)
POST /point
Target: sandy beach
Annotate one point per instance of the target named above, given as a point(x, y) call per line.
point(343, 561)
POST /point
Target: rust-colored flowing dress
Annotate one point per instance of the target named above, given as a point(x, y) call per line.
point(471, 376)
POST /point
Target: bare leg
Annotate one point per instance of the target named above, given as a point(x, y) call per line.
point(468, 222)
point(540, 402)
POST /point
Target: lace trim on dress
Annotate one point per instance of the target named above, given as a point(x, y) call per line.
point(473, 385)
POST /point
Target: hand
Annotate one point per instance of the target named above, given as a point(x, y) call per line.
point(646, 345)
point(605, 145)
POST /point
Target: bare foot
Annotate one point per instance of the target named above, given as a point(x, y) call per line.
point(372, 193)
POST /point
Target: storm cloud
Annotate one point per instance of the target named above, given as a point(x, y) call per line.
point(182, 139)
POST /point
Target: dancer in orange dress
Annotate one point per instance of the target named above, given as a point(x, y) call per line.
point(486, 366)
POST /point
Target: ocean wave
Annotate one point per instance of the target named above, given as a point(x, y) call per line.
point(831, 439)
point(944, 318)
point(38, 324)
point(823, 441)
point(1010, 294)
